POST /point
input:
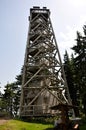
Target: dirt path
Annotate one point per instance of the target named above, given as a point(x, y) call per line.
point(2, 121)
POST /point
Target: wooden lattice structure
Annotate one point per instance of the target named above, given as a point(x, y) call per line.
point(43, 81)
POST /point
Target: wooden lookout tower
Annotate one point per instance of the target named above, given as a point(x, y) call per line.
point(43, 80)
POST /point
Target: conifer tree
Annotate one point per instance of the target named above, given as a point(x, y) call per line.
point(80, 63)
point(11, 99)
point(69, 72)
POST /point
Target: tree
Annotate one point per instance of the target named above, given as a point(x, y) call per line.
point(16, 100)
point(11, 98)
point(69, 72)
point(19, 79)
point(18, 93)
point(80, 63)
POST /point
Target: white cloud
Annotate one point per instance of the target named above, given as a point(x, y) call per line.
point(78, 3)
point(66, 39)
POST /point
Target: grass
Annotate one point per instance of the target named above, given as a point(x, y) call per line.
point(83, 127)
point(21, 125)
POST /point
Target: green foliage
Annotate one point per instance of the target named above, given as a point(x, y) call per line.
point(83, 127)
point(80, 64)
point(10, 100)
point(69, 69)
point(75, 70)
point(43, 120)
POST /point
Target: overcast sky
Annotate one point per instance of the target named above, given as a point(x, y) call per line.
point(67, 17)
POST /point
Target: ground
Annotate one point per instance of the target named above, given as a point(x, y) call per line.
point(2, 121)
